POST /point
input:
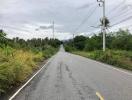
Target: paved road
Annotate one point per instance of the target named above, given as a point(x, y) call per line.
point(71, 77)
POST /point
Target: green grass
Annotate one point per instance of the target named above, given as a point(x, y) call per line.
point(16, 65)
point(118, 58)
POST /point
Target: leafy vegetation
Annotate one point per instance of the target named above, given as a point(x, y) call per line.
point(118, 53)
point(122, 59)
point(19, 58)
point(121, 40)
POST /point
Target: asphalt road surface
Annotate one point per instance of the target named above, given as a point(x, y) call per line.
point(71, 77)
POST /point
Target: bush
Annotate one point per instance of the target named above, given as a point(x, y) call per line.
point(69, 48)
point(49, 51)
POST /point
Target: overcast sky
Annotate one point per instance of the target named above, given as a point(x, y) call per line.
point(21, 18)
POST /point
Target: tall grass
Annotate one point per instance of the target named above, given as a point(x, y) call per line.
point(16, 66)
point(19, 58)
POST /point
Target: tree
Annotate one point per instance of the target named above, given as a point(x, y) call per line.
point(3, 40)
point(93, 43)
point(2, 34)
point(122, 40)
point(79, 42)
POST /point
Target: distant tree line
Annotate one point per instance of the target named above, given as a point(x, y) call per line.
point(35, 43)
point(121, 40)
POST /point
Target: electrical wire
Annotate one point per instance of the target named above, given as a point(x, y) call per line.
point(118, 14)
point(13, 28)
point(122, 14)
point(84, 21)
point(124, 20)
point(116, 7)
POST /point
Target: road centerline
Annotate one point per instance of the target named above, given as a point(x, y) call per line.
point(99, 96)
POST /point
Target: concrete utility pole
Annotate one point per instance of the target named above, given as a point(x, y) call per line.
point(73, 39)
point(73, 35)
point(102, 4)
point(53, 30)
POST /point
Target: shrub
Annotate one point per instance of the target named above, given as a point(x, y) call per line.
point(69, 48)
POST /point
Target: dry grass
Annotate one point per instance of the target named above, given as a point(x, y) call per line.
point(16, 66)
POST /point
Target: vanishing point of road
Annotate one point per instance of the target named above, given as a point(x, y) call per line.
point(71, 77)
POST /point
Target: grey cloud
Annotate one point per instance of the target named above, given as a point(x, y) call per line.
point(46, 27)
point(66, 13)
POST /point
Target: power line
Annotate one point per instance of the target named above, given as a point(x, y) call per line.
point(53, 30)
point(127, 27)
point(14, 28)
point(81, 24)
point(87, 17)
point(87, 5)
point(128, 18)
point(116, 7)
point(123, 13)
point(117, 16)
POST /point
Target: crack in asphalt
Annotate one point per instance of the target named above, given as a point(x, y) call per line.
point(58, 84)
point(71, 77)
point(84, 92)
